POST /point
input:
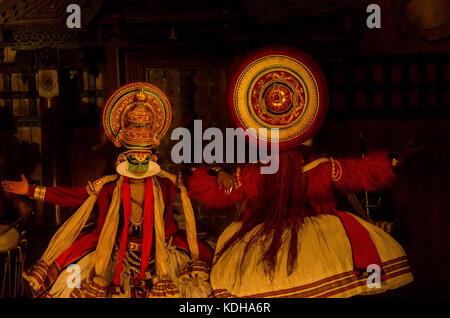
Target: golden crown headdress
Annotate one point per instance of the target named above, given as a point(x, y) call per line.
point(137, 116)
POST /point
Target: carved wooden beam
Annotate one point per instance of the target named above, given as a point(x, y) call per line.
point(51, 14)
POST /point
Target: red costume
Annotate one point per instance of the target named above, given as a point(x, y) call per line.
point(135, 248)
point(289, 201)
point(87, 240)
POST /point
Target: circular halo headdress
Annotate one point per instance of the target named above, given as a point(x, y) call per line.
point(137, 116)
point(280, 88)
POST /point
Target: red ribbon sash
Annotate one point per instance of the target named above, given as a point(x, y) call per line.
point(363, 248)
point(148, 216)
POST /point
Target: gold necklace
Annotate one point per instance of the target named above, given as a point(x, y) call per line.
point(137, 203)
point(136, 217)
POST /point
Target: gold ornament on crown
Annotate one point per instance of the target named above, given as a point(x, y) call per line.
point(137, 116)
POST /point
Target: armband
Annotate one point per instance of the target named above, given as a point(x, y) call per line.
point(336, 170)
point(395, 160)
point(39, 193)
point(93, 188)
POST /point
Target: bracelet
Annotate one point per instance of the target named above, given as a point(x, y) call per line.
point(39, 193)
point(93, 188)
point(336, 170)
point(395, 161)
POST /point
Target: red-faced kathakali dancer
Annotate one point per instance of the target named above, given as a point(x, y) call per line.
point(291, 240)
point(135, 248)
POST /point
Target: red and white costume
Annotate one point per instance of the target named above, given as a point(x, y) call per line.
point(334, 247)
point(52, 277)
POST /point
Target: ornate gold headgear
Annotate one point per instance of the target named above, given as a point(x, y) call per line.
point(137, 116)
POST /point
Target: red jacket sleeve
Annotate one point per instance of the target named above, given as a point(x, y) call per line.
point(372, 173)
point(63, 196)
point(204, 188)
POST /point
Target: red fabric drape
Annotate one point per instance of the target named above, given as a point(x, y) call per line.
point(363, 248)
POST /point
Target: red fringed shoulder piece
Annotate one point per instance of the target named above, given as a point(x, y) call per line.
point(204, 188)
point(372, 173)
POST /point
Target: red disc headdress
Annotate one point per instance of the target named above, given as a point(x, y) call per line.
point(280, 88)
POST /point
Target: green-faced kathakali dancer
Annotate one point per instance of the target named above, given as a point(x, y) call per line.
point(135, 248)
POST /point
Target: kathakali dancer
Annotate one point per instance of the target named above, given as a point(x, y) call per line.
point(291, 240)
point(135, 248)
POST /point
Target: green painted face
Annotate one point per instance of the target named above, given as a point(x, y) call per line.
point(138, 163)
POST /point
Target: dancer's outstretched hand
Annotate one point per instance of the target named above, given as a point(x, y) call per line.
point(16, 187)
point(411, 148)
point(225, 181)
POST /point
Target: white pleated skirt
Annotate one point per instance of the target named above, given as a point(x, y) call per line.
point(324, 266)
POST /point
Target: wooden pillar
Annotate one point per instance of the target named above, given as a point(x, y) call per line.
point(54, 169)
point(111, 77)
point(54, 157)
